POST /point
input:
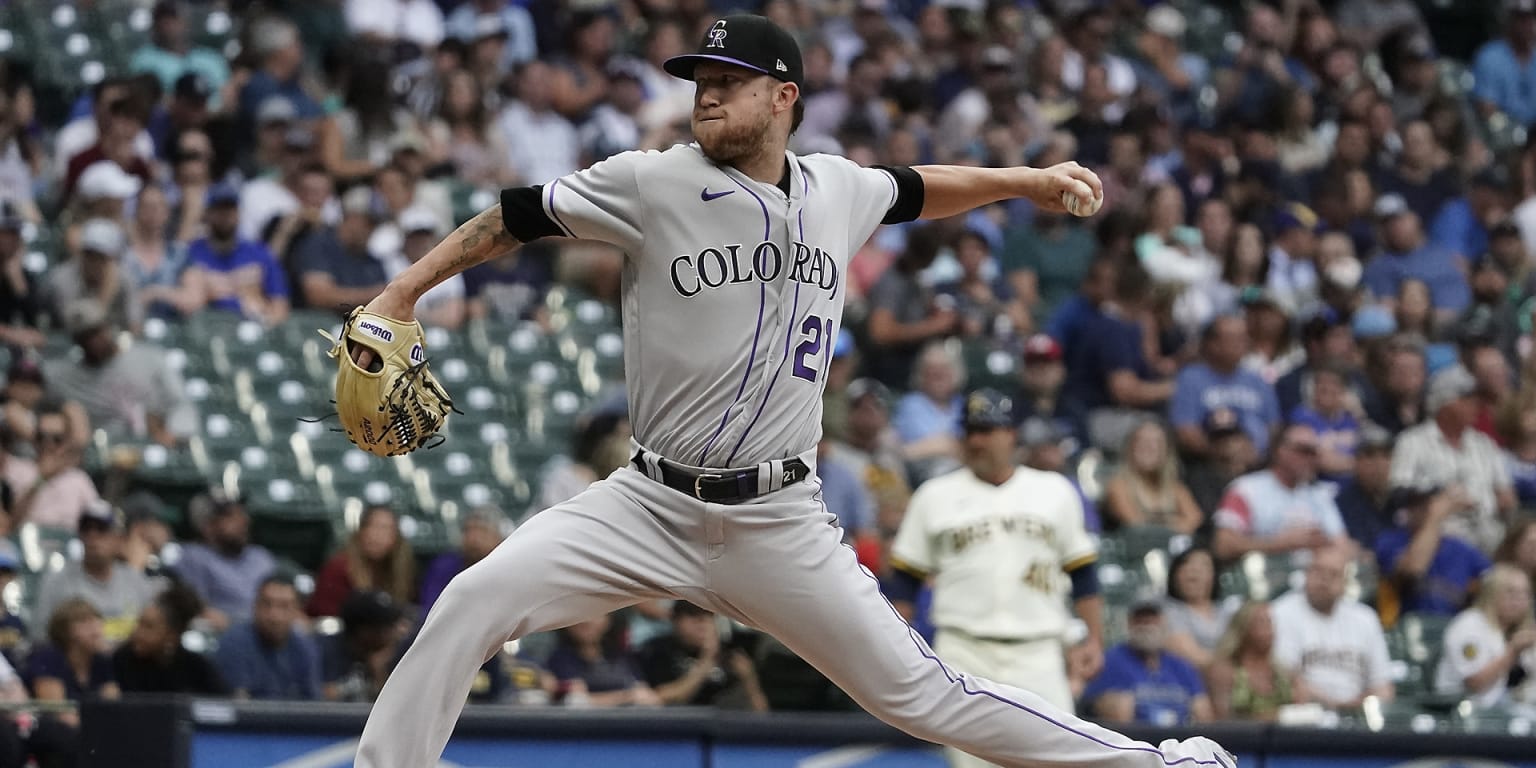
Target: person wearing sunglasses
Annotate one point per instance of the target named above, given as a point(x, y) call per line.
point(1280, 509)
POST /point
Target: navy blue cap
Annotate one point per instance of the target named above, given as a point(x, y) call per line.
point(223, 194)
point(746, 40)
point(987, 409)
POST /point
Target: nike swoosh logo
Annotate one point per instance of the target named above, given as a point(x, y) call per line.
point(707, 196)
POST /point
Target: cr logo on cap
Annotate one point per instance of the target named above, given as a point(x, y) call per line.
point(717, 35)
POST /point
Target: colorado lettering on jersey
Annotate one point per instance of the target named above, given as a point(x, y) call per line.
point(765, 262)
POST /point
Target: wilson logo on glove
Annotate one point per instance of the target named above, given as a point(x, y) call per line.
point(395, 405)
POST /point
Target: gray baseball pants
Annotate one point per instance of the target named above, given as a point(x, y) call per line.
point(776, 563)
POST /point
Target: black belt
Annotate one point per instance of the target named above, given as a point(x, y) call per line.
point(715, 485)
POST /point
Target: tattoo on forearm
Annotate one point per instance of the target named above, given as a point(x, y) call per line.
point(481, 239)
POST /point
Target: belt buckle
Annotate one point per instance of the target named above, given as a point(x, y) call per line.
point(698, 482)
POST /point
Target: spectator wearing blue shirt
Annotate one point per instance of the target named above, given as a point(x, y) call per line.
point(1363, 498)
point(1142, 682)
point(268, 657)
point(1406, 254)
point(170, 54)
point(224, 568)
point(1424, 569)
point(1504, 71)
point(275, 42)
point(480, 531)
point(844, 494)
point(1462, 226)
point(231, 274)
point(1219, 382)
point(927, 420)
point(515, 24)
point(1111, 386)
point(1338, 429)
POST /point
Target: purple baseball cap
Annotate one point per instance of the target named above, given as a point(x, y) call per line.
point(746, 40)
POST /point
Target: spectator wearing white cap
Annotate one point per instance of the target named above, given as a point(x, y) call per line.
point(103, 191)
point(95, 273)
point(1447, 450)
point(443, 305)
point(419, 22)
point(126, 119)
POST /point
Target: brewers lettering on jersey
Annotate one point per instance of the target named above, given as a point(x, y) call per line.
point(734, 254)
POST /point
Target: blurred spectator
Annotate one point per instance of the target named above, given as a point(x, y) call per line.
point(1328, 342)
point(1040, 378)
point(169, 54)
point(468, 22)
point(1328, 413)
point(269, 657)
point(355, 662)
point(52, 491)
point(21, 304)
point(335, 269)
point(187, 112)
point(1366, 23)
point(872, 452)
point(74, 665)
point(1426, 569)
point(1333, 644)
point(1487, 647)
point(133, 395)
point(462, 133)
point(443, 305)
point(1170, 74)
point(1146, 489)
point(115, 591)
point(1217, 382)
point(480, 530)
point(117, 149)
point(1519, 547)
point(1502, 67)
point(599, 446)
point(1272, 350)
point(192, 175)
point(1517, 426)
point(1423, 177)
point(1364, 498)
point(995, 97)
point(1231, 456)
point(276, 118)
point(110, 98)
point(1447, 451)
point(1292, 278)
point(357, 140)
point(23, 735)
point(694, 666)
point(542, 142)
point(1045, 261)
point(1245, 682)
point(1143, 682)
point(856, 108)
point(845, 495)
point(1491, 322)
point(510, 287)
point(223, 567)
point(986, 305)
point(1463, 223)
point(152, 264)
point(1173, 254)
point(153, 659)
point(1194, 619)
point(15, 640)
point(1406, 254)
point(1399, 400)
point(275, 195)
point(103, 193)
point(231, 274)
point(1281, 509)
point(1110, 383)
point(150, 547)
point(275, 46)
point(594, 670)
point(375, 558)
point(927, 419)
point(20, 154)
point(95, 274)
point(903, 312)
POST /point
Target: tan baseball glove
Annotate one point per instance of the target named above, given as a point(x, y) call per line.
point(396, 404)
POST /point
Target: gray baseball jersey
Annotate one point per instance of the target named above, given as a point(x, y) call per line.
point(733, 292)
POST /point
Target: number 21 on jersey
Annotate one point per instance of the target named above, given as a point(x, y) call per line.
point(815, 334)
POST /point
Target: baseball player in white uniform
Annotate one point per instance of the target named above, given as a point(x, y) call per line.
point(736, 255)
point(1005, 545)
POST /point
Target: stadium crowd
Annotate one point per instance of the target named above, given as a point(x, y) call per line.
point(1297, 341)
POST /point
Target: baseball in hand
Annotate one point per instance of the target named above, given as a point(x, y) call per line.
point(1078, 206)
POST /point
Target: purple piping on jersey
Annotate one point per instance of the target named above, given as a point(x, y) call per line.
point(922, 647)
point(762, 300)
point(788, 336)
point(555, 214)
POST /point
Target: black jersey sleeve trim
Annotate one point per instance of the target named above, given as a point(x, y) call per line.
point(909, 194)
point(522, 213)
